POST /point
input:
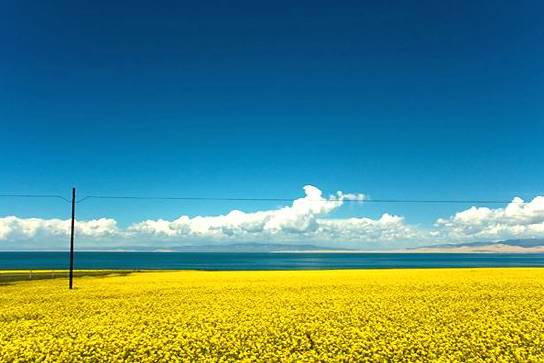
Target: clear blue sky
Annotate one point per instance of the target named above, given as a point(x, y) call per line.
point(426, 99)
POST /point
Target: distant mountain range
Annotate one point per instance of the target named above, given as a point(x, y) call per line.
point(253, 247)
point(534, 245)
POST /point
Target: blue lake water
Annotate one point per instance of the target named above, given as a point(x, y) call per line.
point(261, 261)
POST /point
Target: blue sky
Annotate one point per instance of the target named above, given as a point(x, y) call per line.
point(400, 100)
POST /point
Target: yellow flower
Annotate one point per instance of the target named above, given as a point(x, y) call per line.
point(442, 315)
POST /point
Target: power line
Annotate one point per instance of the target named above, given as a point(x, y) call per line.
point(430, 201)
point(251, 199)
point(236, 199)
point(187, 198)
point(34, 196)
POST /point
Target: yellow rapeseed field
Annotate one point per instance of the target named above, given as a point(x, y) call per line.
point(445, 315)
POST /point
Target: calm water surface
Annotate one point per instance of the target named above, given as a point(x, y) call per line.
point(261, 261)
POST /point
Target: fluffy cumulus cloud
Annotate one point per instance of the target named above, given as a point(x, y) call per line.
point(303, 219)
point(519, 219)
point(308, 219)
point(387, 229)
point(16, 233)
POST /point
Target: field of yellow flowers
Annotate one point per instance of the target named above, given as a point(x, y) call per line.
point(290, 316)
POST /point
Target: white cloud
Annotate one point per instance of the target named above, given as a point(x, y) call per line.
point(306, 220)
point(518, 219)
point(14, 228)
point(386, 229)
point(298, 221)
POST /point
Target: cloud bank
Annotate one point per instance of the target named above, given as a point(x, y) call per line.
point(518, 219)
point(307, 220)
point(302, 218)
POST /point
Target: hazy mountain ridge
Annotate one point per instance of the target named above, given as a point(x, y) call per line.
point(254, 247)
point(532, 245)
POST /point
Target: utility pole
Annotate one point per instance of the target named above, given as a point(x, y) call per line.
point(71, 285)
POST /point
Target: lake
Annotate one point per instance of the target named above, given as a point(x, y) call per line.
point(261, 261)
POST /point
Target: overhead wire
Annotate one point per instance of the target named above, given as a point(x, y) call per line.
point(253, 199)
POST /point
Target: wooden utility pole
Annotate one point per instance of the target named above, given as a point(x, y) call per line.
point(71, 285)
